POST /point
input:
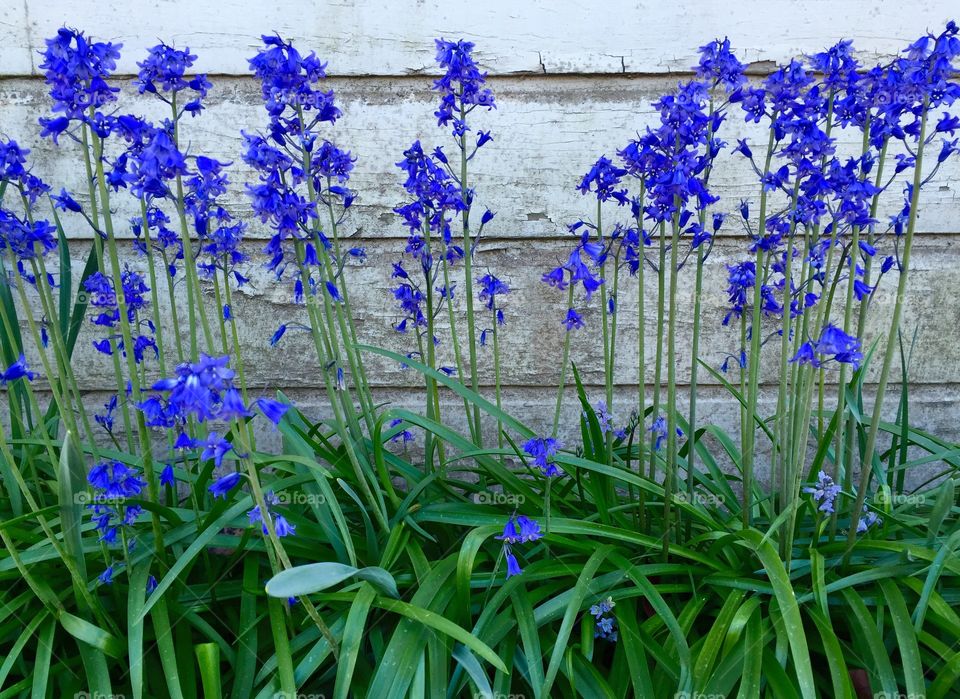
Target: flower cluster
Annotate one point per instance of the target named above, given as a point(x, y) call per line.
point(203, 391)
point(867, 520)
point(76, 70)
point(462, 87)
point(104, 300)
point(605, 626)
point(542, 450)
point(298, 170)
point(834, 344)
point(165, 70)
point(519, 529)
point(280, 524)
point(824, 493)
point(23, 235)
point(113, 482)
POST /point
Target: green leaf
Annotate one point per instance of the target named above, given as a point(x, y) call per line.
point(92, 635)
point(71, 483)
point(439, 623)
point(199, 543)
point(787, 600)
point(906, 639)
point(208, 658)
point(577, 598)
point(136, 595)
point(865, 626)
point(315, 577)
point(471, 666)
point(350, 646)
point(41, 663)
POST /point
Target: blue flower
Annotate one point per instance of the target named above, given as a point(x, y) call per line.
point(844, 348)
point(604, 180)
point(603, 416)
point(76, 71)
point(287, 82)
point(542, 450)
point(65, 202)
point(224, 485)
point(17, 370)
point(167, 476)
point(462, 86)
point(490, 288)
point(105, 419)
point(113, 482)
point(280, 524)
point(164, 70)
point(216, 447)
point(867, 520)
point(520, 529)
point(403, 436)
point(824, 492)
point(659, 430)
point(106, 577)
point(277, 335)
point(513, 566)
point(273, 410)
point(606, 628)
point(719, 65)
point(203, 390)
point(573, 321)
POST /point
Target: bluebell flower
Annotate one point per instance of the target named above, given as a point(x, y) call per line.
point(462, 86)
point(203, 390)
point(18, 370)
point(105, 419)
point(490, 288)
point(106, 577)
point(719, 65)
point(65, 202)
point(513, 566)
point(824, 492)
point(280, 524)
point(273, 410)
point(164, 70)
point(542, 450)
point(867, 520)
point(103, 299)
point(403, 436)
point(215, 448)
point(113, 482)
point(520, 529)
point(167, 476)
point(220, 487)
point(606, 628)
point(76, 70)
point(603, 416)
point(26, 239)
point(659, 430)
point(604, 180)
point(573, 321)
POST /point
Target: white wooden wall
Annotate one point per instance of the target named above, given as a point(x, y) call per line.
point(572, 80)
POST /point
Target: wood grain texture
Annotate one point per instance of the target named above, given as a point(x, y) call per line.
point(572, 81)
point(390, 37)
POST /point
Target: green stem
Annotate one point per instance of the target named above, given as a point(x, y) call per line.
point(866, 466)
point(563, 367)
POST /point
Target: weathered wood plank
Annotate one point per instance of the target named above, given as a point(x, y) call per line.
point(384, 37)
